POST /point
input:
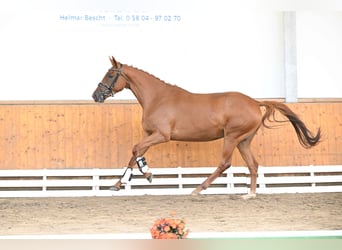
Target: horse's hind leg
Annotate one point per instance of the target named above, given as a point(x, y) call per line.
point(228, 149)
point(252, 164)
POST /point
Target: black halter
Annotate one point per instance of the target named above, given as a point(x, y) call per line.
point(109, 90)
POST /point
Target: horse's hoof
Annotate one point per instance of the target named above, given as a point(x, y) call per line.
point(248, 196)
point(149, 177)
point(114, 188)
point(195, 192)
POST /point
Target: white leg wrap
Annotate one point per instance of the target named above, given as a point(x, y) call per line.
point(143, 167)
point(127, 176)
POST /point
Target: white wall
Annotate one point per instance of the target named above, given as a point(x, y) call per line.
point(216, 46)
point(319, 49)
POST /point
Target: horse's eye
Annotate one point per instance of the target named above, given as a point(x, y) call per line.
point(110, 76)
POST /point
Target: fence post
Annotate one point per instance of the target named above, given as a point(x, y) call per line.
point(312, 174)
point(261, 179)
point(180, 184)
point(230, 180)
point(44, 179)
point(96, 180)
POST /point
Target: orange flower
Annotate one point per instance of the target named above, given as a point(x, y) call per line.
point(172, 236)
point(169, 228)
point(173, 223)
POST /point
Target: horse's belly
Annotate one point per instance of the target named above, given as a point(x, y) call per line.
point(196, 134)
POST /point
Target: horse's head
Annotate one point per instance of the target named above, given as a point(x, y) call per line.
point(111, 83)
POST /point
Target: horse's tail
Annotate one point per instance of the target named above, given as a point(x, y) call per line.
point(306, 138)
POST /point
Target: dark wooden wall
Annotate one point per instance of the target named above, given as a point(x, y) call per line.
point(89, 135)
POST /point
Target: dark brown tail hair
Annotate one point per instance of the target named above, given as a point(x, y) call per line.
point(306, 138)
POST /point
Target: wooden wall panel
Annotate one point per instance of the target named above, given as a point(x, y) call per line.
point(102, 136)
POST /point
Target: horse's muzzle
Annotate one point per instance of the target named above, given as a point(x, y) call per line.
point(98, 97)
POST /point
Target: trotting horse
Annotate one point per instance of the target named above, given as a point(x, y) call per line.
point(172, 113)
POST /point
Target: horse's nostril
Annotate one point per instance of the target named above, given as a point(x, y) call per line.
point(97, 97)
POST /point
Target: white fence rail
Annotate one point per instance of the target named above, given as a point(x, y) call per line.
point(167, 181)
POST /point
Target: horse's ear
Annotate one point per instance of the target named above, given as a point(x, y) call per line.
point(113, 61)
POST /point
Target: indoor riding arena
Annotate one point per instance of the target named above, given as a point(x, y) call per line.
point(65, 158)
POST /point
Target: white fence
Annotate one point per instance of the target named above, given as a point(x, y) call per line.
point(167, 181)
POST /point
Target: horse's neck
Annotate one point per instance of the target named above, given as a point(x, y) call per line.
point(144, 86)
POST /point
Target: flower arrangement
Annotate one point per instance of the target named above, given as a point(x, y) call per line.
point(169, 228)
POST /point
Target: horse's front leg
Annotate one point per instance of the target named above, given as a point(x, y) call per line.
point(137, 158)
point(142, 165)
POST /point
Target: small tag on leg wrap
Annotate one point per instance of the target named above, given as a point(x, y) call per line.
point(127, 176)
point(141, 162)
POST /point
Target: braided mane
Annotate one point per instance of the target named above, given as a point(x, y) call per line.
point(150, 75)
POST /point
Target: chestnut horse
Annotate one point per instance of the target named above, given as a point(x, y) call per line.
point(172, 113)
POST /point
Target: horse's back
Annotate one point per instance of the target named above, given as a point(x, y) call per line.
point(229, 103)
